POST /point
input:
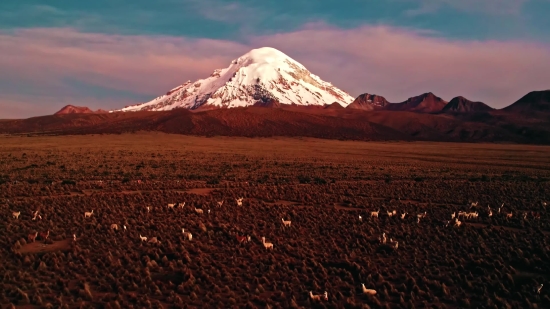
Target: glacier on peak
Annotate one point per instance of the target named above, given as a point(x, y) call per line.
point(261, 74)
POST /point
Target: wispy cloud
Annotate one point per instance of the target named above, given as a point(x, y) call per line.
point(110, 71)
point(231, 12)
point(498, 7)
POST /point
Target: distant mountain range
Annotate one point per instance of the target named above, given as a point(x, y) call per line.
point(266, 93)
point(267, 77)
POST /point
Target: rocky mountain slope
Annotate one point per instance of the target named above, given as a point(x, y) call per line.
point(369, 102)
point(426, 103)
point(462, 105)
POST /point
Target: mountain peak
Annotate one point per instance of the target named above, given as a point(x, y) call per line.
point(461, 105)
point(263, 55)
point(71, 109)
point(261, 74)
point(426, 102)
point(534, 101)
point(367, 101)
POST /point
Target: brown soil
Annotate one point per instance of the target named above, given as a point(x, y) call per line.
point(321, 186)
point(200, 191)
point(41, 247)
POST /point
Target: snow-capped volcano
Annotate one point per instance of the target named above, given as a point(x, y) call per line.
point(260, 75)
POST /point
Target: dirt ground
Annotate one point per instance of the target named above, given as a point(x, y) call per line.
point(327, 189)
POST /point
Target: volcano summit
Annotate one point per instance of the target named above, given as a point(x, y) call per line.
point(261, 75)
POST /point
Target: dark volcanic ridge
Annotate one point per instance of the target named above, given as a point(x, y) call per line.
point(535, 101)
point(462, 105)
point(426, 103)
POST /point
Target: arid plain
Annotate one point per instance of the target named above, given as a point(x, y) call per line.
point(327, 189)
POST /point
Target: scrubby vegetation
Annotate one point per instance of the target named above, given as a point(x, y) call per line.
point(322, 187)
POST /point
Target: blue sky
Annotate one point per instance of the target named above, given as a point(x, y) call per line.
point(212, 32)
point(483, 19)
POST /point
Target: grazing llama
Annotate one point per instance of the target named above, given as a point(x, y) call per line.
point(45, 236)
point(457, 223)
point(286, 223)
point(186, 234)
point(239, 201)
point(367, 291)
point(16, 214)
point(267, 245)
point(314, 297)
point(382, 238)
point(243, 239)
point(114, 226)
point(198, 210)
point(32, 237)
point(154, 240)
point(36, 216)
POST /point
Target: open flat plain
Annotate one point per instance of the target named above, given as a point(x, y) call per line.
point(496, 260)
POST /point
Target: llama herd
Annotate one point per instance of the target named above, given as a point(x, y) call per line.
point(186, 235)
point(31, 237)
point(383, 240)
point(460, 214)
point(324, 296)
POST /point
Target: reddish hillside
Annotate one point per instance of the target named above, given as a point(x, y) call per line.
point(425, 103)
point(71, 109)
point(343, 123)
point(463, 105)
point(535, 101)
point(251, 122)
point(368, 102)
